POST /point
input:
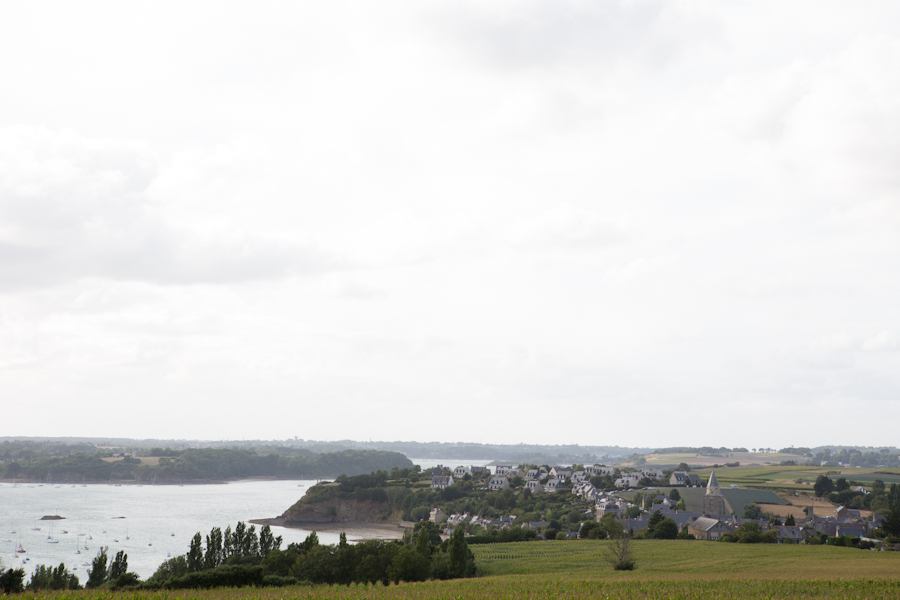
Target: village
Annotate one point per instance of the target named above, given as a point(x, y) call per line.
point(715, 521)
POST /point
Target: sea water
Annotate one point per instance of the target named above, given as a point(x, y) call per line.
point(148, 522)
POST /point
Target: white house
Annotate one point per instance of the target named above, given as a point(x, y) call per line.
point(498, 483)
point(439, 483)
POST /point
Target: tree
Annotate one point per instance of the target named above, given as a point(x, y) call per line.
point(214, 552)
point(894, 496)
point(269, 543)
point(841, 484)
point(591, 530)
point(683, 467)
point(667, 529)
point(610, 526)
point(789, 521)
point(97, 575)
point(655, 519)
point(50, 578)
point(823, 485)
point(674, 495)
point(462, 561)
point(619, 555)
point(118, 567)
point(12, 581)
point(409, 565)
point(195, 554)
point(752, 511)
point(311, 541)
point(891, 524)
point(423, 544)
point(878, 487)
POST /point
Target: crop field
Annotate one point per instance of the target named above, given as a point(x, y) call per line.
point(745, 458)
point(677, 559)
point(574, 570)
point(544, 588)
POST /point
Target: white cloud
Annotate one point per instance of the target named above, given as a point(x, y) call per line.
point(351, 209)
point(75, 207)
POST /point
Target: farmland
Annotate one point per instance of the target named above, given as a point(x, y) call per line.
point(794, 478)
point(671, 459)
point(677, 559)
point(574, 570)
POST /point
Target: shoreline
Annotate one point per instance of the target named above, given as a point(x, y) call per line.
point(135, 483)
point(355, 530)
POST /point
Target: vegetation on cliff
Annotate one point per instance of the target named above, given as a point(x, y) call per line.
point(407, 492)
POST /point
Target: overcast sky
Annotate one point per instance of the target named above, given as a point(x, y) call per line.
point(641, 223)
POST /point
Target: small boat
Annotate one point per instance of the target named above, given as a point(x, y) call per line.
point(52, 541)
point(20, 549)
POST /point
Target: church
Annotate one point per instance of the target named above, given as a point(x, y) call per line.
point(713, 501)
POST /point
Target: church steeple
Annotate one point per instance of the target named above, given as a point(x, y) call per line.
point(713, 501)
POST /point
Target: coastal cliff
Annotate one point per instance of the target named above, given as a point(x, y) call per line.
point(339, 510)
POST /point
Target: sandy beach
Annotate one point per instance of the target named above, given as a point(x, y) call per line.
point(356, 531)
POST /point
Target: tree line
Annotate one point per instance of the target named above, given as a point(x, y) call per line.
point(243, 557)
point(197, 464)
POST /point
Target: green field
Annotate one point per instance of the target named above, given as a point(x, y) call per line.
point(573, 570)
point(785, 478)
point(745, 458)
point(677, 559)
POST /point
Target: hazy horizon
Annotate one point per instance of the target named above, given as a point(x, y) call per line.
point(630, 223)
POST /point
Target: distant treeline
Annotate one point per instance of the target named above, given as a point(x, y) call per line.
point(703, 450)
point(450, 450)
point(190, 464)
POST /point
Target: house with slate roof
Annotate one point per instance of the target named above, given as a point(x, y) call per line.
point(441, 482)
point(535, 486)
point(555, 485)
point(561, 472)
point(498, 483)
point(706, 528)
point(461, 471)
point(678, 478)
